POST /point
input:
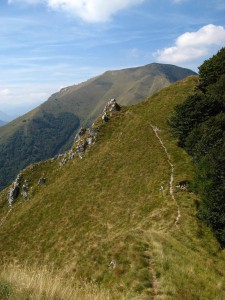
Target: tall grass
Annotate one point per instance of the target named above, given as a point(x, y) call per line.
point(24, 282)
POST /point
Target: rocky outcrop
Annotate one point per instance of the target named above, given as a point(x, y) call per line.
point(18, 187)
point(84, 139)
point(24, 191)
point(80, 134)
point(110, 107)
point(14, 190)
point(41, 181)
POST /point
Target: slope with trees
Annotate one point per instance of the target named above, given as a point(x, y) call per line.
point(199, 124)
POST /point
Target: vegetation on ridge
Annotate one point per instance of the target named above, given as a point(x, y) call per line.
point(51, 127)
point(105, 219)
point(199, 123)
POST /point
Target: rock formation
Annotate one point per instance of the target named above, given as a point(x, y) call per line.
point(84, 139)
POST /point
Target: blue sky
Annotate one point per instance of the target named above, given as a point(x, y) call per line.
point(49, 44)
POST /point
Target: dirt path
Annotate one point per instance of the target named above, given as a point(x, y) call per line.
point(6, 216)
point(155, 283)
point(155, 130)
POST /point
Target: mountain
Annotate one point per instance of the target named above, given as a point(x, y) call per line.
point(2, 123)
point(50, 128)
point(4, 117)
point(120, 223)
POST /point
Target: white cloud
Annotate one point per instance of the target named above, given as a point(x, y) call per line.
point(88, 10)
point(193, 45)
point(4, 92)
point(19, 99)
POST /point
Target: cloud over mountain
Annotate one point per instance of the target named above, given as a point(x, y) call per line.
point(192, 45)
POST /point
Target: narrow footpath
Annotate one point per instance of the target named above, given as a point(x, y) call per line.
point(155, 130)
point(6, 216)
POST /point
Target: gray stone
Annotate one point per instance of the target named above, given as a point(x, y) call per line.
point(80, 134)
point(41, 181)
point(24, 192)
point(105, 117)
point(14, 190)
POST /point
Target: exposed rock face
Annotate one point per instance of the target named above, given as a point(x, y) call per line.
point(24, 191)
point(111, 106)
point(105, 117)
point(80, 134)
point(41, 181)
point(14, 190)
point(87, 136)
point(80, 149)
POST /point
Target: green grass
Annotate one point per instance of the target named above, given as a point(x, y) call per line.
point(50, 128)
point(108, 206)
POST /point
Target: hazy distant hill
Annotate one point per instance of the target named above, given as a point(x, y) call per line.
point(116, 219)
point(2, 123)
point(50, 128)
point(4, 117)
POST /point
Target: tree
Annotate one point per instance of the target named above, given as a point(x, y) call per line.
point(199, 125)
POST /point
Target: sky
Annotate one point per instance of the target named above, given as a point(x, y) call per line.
point(49, 44)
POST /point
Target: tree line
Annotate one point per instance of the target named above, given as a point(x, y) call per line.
point(199, 125)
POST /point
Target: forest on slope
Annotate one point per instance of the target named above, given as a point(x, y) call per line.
point(199, 124)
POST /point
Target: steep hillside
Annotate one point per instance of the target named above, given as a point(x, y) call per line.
point(50, 128)
point(121, 218)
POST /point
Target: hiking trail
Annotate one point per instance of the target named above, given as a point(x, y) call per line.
point(155, 130)
point(6, 216)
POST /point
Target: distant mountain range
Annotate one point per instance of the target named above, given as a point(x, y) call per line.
point(2, 123)
point(5, 118)
point(50, 128)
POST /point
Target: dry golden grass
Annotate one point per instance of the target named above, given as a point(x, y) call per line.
point(24, 282)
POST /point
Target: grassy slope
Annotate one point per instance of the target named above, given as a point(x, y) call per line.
point(83, 102)
point(108, 206)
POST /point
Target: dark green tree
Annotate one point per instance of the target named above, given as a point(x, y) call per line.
point(199, 125)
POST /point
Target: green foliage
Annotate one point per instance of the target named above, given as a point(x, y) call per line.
point(199, 124)
point(5, 290)
point(186, 117)
point(211, 70)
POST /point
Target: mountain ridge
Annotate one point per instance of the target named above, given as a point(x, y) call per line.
point(21, 141)
point(109, 217)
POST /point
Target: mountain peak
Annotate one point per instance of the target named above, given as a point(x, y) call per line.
point(57, 120)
